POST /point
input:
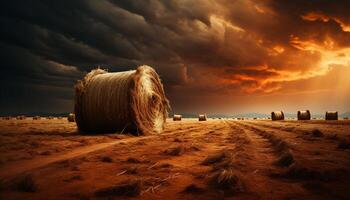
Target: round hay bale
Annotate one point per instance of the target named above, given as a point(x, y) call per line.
point(36, 117)
point(331, 115)
point(277, 115)
point(71, 117)
point(132, 101)
point(6, 118)
point(202, 117)
point(177, 117)
point(21, 117)
point(304, 115)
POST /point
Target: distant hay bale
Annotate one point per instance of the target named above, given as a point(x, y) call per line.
point(177, 117)
point(49, 117)
point(59, 117)
point(304, 115)
point(331, 115)
point(21, 117)
point(132, 101)
point(71, 117)
point(202, 117)
point(277, 115)
point(6, 118)
point(36, 117)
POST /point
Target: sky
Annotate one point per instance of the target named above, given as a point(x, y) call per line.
point(213, 56)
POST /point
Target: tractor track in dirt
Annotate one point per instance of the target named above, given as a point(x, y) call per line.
point(296, 137)
point(262, 163)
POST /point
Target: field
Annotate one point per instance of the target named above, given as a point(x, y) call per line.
point(214, 159)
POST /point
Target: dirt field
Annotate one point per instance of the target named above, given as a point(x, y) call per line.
point(215, 159)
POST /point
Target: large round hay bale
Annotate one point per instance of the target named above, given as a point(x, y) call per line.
point(132, 101)
point(304, 115)
point(202, 117)
point(277, 115)
point(331, 115)
point(177, 117)
point(71, 117)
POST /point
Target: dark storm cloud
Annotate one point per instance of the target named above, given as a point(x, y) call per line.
point(244, 45)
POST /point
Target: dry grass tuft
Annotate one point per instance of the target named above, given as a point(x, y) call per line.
point(106, 159)
point(317, 133)
point(177, 140)
point(226, 163)
point(194, 189)
point(130, 188)
point(45, 153)
point(133, 160)
point(280, 145)
point(228, 181)
point(285, 160)
point(132, 170)
point(165, 165)
point(175, 151)
point(73, 178)
point(27, 184)
point(215, 158)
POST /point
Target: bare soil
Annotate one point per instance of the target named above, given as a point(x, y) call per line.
point(214, 159)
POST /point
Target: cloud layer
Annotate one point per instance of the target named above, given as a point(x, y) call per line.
point(207, 52)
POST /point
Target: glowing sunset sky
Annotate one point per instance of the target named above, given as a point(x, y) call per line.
point(223, 56)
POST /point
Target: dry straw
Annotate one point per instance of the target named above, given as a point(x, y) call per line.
point(331, 115)
point(202, 117)
point(177, 117)
point(277, 115)
point(304, 115)
point(71, 117)
point(132, 101)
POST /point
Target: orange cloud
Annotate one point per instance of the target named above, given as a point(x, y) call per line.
point(314, 16)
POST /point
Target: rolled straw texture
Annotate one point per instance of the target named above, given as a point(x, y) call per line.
point(132, 101)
